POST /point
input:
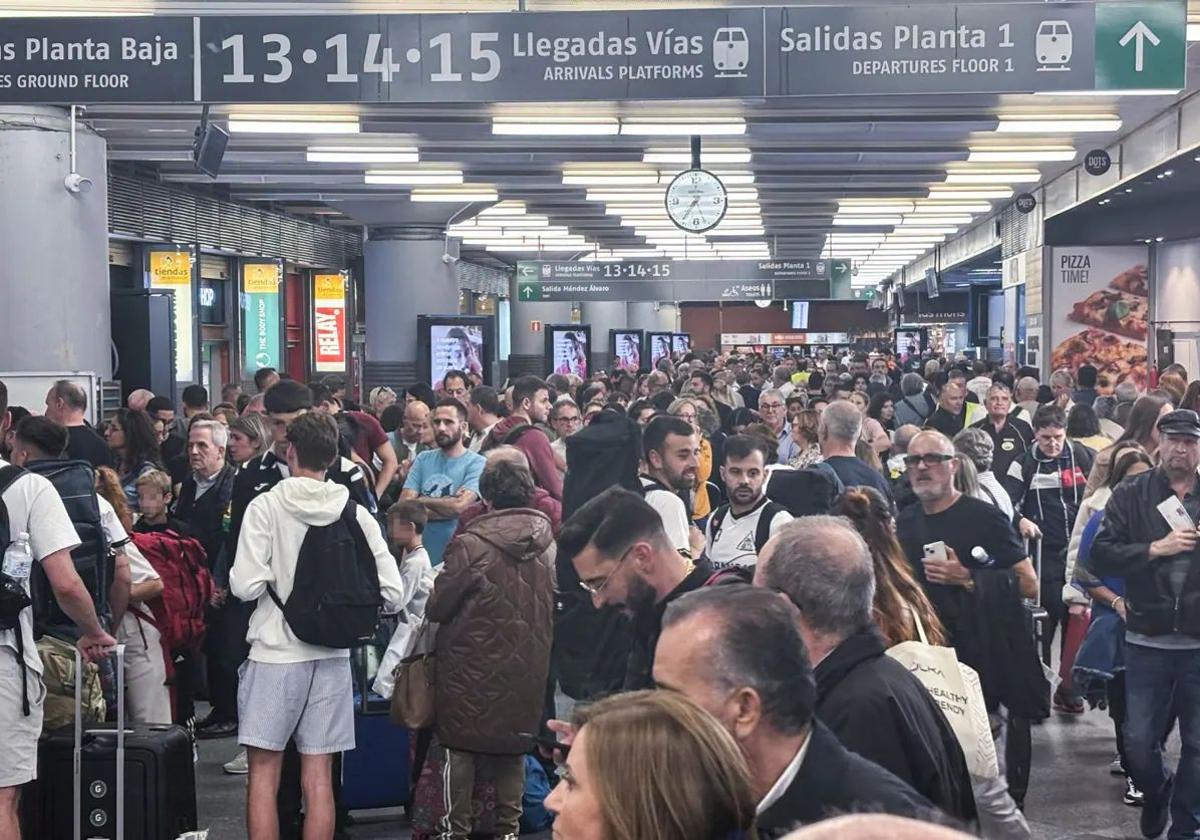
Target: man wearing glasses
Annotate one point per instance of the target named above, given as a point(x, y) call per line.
point(940, 536)
point(771, 407)
point(566, 420)
point(623, 558)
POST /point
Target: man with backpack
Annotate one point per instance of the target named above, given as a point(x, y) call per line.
point(530, 405)
point(318, 570)
point(30, 506)
point(671, 451)
point(738, 529)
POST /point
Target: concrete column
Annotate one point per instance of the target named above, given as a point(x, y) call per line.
point(604, 316)
point(404, 277)
point(651, 317)
point(527, 348)
point(668, 317)
point(53, 245)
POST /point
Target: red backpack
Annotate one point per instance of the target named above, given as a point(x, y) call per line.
point(187, 587)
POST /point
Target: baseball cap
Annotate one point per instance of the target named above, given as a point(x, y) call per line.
point(1180, 422)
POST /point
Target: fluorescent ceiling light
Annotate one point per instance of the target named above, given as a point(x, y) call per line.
point(995, 192)
point(684, 157)
point(449, 196)
point(936, 208)
point(865, 221)
point(1110, 93)
point(504, 208)
point(1193, 31)
point(1018, 154)
point(630, 180)
point(683, 128)
point(729, 179)
point(533, 248)
point(362, 154)
point(939, 219)
point(555, 126)
point(874, 209)
point(1016, 177)
point(1070, 124)
point(293, 124)
point(414, 176)
point(932, 231)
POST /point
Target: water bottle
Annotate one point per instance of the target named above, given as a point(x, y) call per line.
point(18, 558)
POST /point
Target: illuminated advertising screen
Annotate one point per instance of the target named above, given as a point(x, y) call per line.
point(681, 342)
point(625, 347)
point(567, 348)
point(909, 343)
point(454, 342)
point(659, 345)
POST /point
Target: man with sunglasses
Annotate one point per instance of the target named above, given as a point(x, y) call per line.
point(624, 559)
point(940, 536)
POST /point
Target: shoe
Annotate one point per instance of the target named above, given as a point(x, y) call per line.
point(1133, 797)
point(240, 766)
point(1116, 769)
point(1156, 811)
point(223, 729)
point(1069, 706)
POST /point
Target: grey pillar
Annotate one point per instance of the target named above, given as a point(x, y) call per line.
point(404, 277)
point(604, 316)
point(644, 316)
point(53, 245)
point(527, 349)
point(668, 317)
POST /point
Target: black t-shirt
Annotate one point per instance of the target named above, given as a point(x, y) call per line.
point(855, 472)
point(967, 523)
point(86, 445)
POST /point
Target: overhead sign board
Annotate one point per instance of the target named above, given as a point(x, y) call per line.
point(672, 280)
point(709, 53)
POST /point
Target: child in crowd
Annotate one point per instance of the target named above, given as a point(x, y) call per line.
point(406, 522)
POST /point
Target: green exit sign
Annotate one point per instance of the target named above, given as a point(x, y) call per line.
point(1141, 45)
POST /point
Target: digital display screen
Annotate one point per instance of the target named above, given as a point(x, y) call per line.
point(568, 348)
point(681, 343)
point(455, 347)
point(909, 343)
point(627, 350)
point(660, 347)
point(212, 302)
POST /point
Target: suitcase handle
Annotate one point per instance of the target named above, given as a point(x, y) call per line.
point(77, 755)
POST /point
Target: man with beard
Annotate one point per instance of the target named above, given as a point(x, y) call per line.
point(445, 480)
point(522, 428)
point(671, 452)
point(625, 559)
point(738, 530)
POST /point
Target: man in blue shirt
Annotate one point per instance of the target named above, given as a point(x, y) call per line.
point(445, 480)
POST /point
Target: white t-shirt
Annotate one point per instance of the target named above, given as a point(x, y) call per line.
point(139, 567)
point(34, 507)
point(734, 544)
point(674, 516)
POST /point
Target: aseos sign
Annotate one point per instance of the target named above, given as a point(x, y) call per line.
point(329, 323)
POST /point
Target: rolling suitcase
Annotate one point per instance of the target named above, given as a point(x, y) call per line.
point(125, 782)
point(377, 772)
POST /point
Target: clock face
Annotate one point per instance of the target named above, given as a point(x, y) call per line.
point(696, 200)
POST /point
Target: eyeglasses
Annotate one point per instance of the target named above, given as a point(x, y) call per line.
point(932, 459)
point(572, 420)
point(594, 589)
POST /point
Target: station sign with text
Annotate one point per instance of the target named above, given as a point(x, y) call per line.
point(709, 53)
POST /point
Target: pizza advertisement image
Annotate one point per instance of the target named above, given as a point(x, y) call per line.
point(1100, 311)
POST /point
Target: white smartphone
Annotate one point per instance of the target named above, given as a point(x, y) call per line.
point(935, 551)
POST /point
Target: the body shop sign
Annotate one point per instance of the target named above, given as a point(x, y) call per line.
point(329, 323)
point(171, 268)
point(261, 283)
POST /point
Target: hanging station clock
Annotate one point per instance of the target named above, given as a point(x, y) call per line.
point(696, 200)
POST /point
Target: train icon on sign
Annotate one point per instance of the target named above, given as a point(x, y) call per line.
point(731, 52)
point(1053, 45)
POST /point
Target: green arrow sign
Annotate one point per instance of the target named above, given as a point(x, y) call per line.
point(1141, 45)
point(527, 270)
point(528, 291)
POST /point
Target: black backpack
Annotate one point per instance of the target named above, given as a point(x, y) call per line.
point(805, 492)
point(599, 456)
point(762, 531)
point(335, 600)
point(75, 482)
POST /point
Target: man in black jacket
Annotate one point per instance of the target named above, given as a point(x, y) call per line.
point(1149, 537)
point(735, 651)
point(874, 706)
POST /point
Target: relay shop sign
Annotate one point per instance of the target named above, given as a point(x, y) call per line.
point(584, 56)
point(261, 283)
point(329, 323)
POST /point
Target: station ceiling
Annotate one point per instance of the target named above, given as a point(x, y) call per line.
point(878, 179)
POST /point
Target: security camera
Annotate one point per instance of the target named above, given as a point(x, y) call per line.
point(76, 183)
point(449, 259)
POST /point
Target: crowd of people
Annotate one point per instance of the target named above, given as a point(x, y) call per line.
point(688, 593)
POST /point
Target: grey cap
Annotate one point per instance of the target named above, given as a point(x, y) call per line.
point(1180, 422)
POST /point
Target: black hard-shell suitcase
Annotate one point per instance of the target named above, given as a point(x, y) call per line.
point(151, 764)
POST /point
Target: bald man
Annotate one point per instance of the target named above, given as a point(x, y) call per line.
point(542, 500)
point(876, 827)
point(138, 399)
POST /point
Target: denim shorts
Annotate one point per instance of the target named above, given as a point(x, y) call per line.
point(312, 702)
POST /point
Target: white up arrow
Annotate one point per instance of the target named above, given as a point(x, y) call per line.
point(1143, 34)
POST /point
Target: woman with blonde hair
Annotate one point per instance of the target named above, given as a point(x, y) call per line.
point(899, 599)
point(652, 765)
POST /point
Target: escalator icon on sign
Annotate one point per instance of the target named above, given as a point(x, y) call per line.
point(731, 52)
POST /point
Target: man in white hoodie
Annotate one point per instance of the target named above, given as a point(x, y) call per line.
point(289, 689)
